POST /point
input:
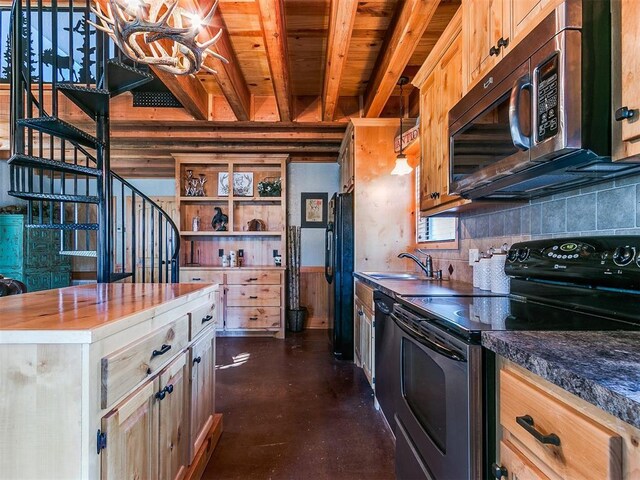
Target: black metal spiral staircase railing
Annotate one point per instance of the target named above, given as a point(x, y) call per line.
point(64, 172)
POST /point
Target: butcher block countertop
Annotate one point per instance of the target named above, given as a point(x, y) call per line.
point(87, 313)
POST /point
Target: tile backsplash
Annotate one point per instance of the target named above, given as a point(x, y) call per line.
point(609, 208)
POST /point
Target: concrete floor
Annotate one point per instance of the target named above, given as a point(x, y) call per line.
point(293, 412)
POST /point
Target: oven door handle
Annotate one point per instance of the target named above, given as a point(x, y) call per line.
point(427, 342)
point(519, 139)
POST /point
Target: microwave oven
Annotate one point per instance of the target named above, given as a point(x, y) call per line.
point(540, 120)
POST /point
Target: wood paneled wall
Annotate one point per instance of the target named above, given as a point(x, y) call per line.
point(314, 294)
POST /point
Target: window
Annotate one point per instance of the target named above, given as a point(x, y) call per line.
point(439, 232)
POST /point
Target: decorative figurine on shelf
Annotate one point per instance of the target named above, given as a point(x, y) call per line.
point(190, 184)
point(257, 225)
point(219, 221)
point(200, 185)
point(270, 187)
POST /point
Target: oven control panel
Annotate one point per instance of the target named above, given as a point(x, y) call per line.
point(612, 261)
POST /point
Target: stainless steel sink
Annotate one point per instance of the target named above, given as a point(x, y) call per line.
point(394, 276)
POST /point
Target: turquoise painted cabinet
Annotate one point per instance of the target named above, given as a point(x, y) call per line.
point(31, 255)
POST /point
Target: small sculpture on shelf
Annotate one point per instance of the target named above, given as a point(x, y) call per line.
point(270, 187)
point(194, 187)
point(219, 221)
point(256, 225)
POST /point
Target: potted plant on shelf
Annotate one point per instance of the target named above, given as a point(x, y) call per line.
point(296, 315)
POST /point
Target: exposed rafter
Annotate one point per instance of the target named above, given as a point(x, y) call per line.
point(409, 24)
point(275, 42)
point(343, 15)
point(230, 78)
point(189, 92)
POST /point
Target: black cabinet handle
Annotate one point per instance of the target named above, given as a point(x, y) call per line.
point(494, 51)
point(253, 318)
point(499, 471)
point(625, 113)
point(163, 349)
point(196, 279)
point(503, 43)
point(526, 422)
point(197, 360)
point(252, 280)
point(207, 318)
point(163, 393)
point(253, 297)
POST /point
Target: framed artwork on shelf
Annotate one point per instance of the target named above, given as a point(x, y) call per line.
point(314, 210)
point(223, 184)
point(243, 184)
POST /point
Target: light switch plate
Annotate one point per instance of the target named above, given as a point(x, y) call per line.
point(474, 255)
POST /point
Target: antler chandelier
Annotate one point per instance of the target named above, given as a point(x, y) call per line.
point(158, 33)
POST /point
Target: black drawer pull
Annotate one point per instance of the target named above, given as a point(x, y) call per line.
point(526, 422)
point(196, 279)
point(252, 280)
point(207, 318)
point(253, 297)
point(499, 471)
point(253, 318)
point(163, 393)
point(197, 360)
point(625, 113)
point(503, 43)
point(494, 51)
point(164, 349)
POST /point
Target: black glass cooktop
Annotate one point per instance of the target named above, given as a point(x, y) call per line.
point(469, 316)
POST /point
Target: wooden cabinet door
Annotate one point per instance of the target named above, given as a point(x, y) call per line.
point(517, 465)
point(482, 25)
point(202, 364)
point(132, 437)
point(429, 143)
point(449, 88)
point(347, 160)
point(366, 346)
point(173, 425)
point(525, 15)
point(626, 76)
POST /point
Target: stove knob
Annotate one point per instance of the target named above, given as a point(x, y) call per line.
point(512, 256)
point(523, 254)
point(623, 255)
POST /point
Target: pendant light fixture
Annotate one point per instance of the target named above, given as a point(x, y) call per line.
point(402, 166)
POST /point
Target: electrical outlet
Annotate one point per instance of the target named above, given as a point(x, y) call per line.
point(474, 255)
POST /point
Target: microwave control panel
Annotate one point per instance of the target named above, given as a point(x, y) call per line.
point(547, 81)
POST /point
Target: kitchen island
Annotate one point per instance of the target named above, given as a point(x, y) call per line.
point(108, 381)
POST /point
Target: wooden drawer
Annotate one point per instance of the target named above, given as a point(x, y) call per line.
point(201, 317)
point(249, 277)
point(587, 449)
point(253, 317)
point(253, 296)
point(123, 369)
point(365, 295)
point(188, 275)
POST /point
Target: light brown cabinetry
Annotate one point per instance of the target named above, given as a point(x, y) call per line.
point(364, 333)
point(626, 78)
point(114, 391)
point(252, 300)
point(243, 205)
point(346, 162)
point(548, 433)
point(440, 84)
point(492, 28)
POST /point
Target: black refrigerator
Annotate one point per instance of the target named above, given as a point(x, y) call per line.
point(339, 263)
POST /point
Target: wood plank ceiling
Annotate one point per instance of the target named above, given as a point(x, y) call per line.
point(341, 59)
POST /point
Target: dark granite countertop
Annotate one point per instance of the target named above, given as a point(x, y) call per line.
point(427, 288)
point(602, 368)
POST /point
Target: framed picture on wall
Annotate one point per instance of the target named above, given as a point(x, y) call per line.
point(314, 210)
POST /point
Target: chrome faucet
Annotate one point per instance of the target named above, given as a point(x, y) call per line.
point(426, 267)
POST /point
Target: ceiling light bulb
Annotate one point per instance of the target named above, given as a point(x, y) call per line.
point(196, 21)
point(402, 166)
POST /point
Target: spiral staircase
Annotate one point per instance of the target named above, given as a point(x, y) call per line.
point(63, 171)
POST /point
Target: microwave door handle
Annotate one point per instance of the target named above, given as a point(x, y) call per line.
point(519, 139)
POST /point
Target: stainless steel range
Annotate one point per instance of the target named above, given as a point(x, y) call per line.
point(586, 283)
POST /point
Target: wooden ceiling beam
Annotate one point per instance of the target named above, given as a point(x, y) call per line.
point(189, 92)
point(229, 77)
point(275, 41)
point(343, 16)
point(404, 35)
